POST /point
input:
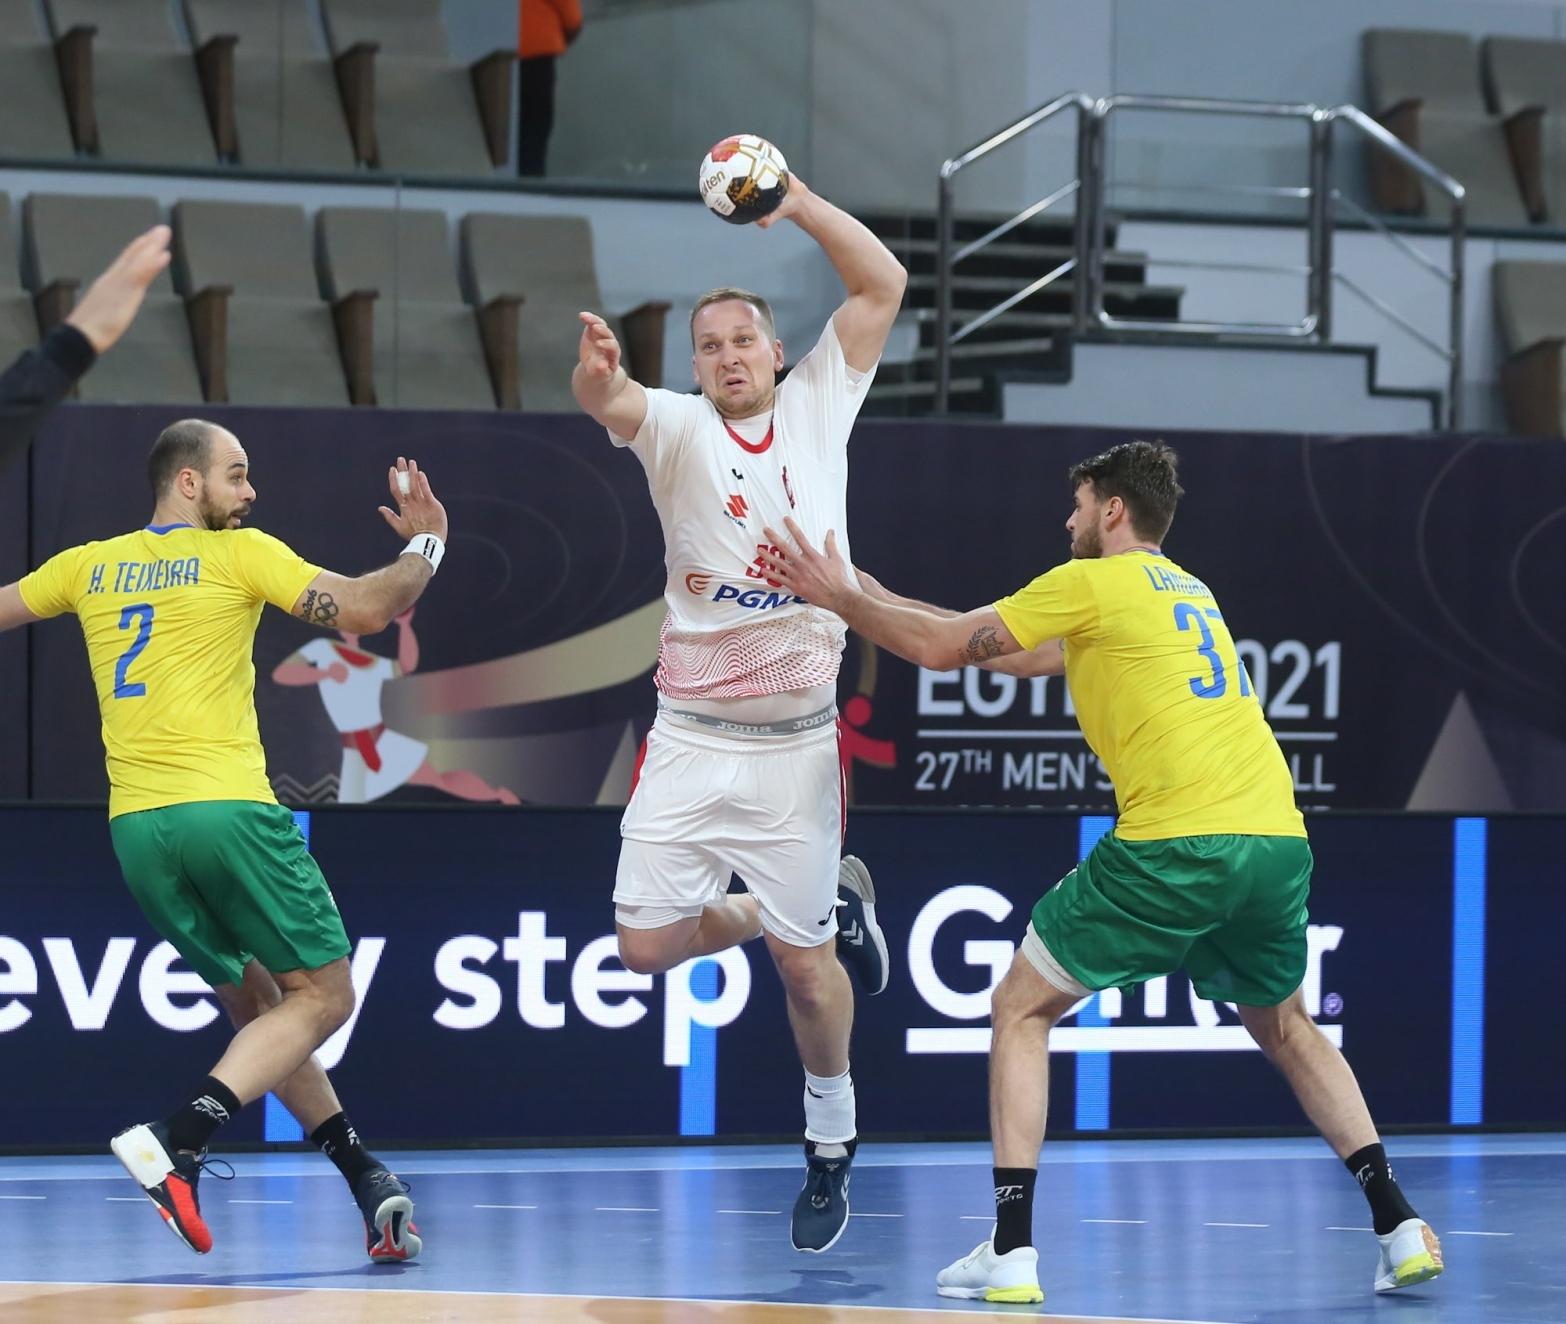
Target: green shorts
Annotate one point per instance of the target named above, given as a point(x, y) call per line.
point(1230, 909)
point(228, 881)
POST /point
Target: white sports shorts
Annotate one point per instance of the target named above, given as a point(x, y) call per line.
point(708, 805)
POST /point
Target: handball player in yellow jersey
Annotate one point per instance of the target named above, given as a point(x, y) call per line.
point(1208, 865)
point(219, 867)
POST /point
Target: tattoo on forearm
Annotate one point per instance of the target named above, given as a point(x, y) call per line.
point(982, 646)
point(318, 609)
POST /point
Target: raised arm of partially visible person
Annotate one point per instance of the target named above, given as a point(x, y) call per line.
point(874, 279)
point(1048, 659)
point(45, 375)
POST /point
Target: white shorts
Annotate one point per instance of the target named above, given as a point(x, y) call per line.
point(708, 806)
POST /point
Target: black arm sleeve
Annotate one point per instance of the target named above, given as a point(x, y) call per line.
point(36, 383)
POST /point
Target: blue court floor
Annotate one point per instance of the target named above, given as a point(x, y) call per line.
point(1213, 1231)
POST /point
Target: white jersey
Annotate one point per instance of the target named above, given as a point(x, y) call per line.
point(353, 704)
point(730, 633)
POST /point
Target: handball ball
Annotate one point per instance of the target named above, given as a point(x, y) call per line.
point(744, 178)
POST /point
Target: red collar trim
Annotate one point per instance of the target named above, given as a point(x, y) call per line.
point(353, 657)
point(754, 447)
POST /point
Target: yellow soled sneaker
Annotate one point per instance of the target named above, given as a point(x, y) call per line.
point(1410, 1253)
point(1012, 1278)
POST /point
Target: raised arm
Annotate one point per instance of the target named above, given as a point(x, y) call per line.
point(874, 279)
point(1048, 659)
point(924, 638)
point(368, 603)
point(601, 384)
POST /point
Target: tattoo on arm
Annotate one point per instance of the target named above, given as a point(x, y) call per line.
point(318, 609)
point(982, 646)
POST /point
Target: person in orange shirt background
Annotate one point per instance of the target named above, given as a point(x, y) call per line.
point(547, 28)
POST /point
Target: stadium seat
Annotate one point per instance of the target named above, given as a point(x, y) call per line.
point(544, 265)
point(32, 115)
point(131, 89)
point(1530, 308)
point(262, 332)
point(271, 95)
point(411, 108)
point(426, 348)
point(1424, 86)
point(1526, 80)
point(67, 241)
point(18, 323)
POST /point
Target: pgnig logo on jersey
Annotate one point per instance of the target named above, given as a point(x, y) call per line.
point(752, 599)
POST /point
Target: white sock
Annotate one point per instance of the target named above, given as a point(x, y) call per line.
point(829, 1113)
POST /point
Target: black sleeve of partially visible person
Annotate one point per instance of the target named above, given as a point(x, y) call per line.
point(36, 383)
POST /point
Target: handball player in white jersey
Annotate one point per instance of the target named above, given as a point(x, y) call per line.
point(741, 772)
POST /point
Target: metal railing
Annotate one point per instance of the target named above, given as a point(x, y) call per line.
point(1324, 204)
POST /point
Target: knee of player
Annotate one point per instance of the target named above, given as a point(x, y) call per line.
point(807, 976)
point(1007, 1000)
point(639, 955)
point(336, 1007)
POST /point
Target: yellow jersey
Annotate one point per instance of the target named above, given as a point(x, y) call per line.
point(169, 614)
point(1161, 696)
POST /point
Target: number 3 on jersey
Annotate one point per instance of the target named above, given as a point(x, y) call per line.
point(1188, 616)
point(142, 612)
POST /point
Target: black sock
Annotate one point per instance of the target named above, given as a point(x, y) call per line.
point(336, 1138)
point(1388, 1205)
point(1013, 1207)
point(191, 1126)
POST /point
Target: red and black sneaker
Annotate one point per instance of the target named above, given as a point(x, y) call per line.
point(390, 1235)
point(168, 1178)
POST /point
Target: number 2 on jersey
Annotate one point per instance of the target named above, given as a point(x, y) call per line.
point(124, 689)
point(1188, 616)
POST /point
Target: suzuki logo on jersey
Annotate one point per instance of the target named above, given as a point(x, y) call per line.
point(736, 509)
point(1159, 1024)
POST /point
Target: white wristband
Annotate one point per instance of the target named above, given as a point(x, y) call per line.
point(429, 546)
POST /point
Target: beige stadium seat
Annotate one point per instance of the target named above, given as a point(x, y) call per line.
point(270, 91)
point(1526, 80)
point(542, 267)
point(426, 348)
point(263, 335)
point(67, 241)
point(1424, 86)
point(1530, 309)
point(411, 108)
point(32, 113)
point(18, 322)
point(130, 83)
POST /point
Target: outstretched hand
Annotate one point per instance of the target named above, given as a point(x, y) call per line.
point(821, 578)
point(111, 302)
point(417, 509)
point(599, 351)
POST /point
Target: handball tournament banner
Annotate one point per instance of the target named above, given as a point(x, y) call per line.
point(1392, 598)
point(491, 1004)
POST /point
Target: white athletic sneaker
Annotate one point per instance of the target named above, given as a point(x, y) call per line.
point(1410, 1253)
point(1012, 1278)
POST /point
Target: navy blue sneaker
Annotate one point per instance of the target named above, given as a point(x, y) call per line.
point(389, 1233)
point(821, 1211)
point(861, 945)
